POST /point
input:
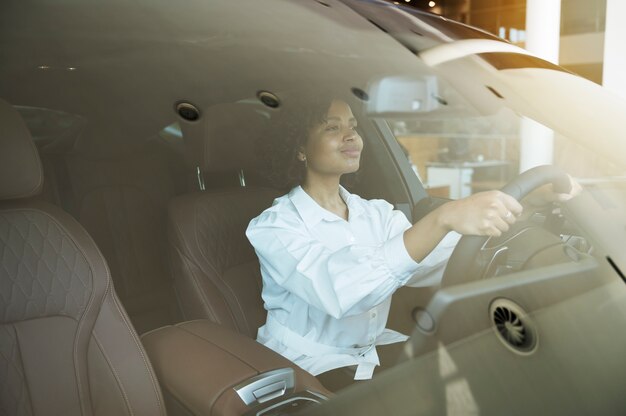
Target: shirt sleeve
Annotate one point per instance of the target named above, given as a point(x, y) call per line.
point(396, 224)
point(433, 265)
point(345, 282)
point(429, 271)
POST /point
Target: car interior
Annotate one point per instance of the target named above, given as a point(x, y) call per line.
point(168, 215)
point(165, 216)
point(128, 287)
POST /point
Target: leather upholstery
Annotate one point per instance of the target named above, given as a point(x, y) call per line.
point(67, 346)
point(200, 381)
point(18, 155)
point(215, 269)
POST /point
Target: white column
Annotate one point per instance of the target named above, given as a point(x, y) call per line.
point(543, 33)
point(543, 28)
point(536, 145)
point(614, 71)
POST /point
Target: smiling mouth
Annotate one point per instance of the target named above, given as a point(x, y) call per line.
point(351, 152)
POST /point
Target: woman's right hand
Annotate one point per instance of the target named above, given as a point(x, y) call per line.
point(485, 213)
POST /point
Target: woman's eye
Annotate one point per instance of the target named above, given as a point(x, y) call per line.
point(337, 128)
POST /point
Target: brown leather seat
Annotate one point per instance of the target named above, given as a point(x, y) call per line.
point(66, 344)
point(215, 269)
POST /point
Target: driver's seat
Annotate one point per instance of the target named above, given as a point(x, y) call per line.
point(66, 344)
point(216, 272)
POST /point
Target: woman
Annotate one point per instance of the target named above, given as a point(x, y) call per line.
point(331, 260)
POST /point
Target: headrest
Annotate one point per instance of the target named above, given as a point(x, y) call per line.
point(107, 141)
point(21, 174)
point(224, 138)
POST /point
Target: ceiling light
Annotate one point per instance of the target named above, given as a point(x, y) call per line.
point(432, 3)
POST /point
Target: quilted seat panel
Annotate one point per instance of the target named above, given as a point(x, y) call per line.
point(221, 221)
point(55, 297)
point(42, 272)
point(216, 271)
point(46, 284)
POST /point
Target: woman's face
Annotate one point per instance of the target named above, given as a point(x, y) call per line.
point(334, 147)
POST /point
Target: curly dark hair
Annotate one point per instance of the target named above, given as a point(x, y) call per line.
point(288, 132)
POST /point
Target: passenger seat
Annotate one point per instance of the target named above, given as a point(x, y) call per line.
point(66, 345)
point(215, 269)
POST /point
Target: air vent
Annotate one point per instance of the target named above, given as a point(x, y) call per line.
point(513, 327)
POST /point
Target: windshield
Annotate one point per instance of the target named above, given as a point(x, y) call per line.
point(150, 115)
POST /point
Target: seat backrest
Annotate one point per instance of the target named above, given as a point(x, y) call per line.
point(215, 269)
point(66, 344)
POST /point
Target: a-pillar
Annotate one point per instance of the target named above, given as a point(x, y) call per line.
point(614, 70)
point(543, 32)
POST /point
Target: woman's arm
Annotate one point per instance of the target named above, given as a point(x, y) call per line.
point(485, 213)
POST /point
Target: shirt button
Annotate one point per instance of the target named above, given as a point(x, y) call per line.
point(373, 314)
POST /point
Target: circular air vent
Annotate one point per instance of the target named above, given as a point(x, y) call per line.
point(513, 327)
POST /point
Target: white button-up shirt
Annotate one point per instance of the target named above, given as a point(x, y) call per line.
point(327, 282)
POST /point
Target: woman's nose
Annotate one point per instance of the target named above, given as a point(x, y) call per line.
point(349, 135)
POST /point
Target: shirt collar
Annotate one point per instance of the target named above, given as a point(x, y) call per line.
point(312, 213)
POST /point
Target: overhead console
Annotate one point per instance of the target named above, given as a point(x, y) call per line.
point(205, 369)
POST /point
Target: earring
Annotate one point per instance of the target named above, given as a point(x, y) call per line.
point(303, 158)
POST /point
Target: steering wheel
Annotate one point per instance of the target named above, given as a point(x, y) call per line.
point(468, 248)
